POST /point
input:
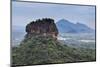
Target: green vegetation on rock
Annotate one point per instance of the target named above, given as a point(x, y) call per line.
point(46, 50)
point(40, 46)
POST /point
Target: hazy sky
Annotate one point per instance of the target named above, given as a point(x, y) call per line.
point(24, 12)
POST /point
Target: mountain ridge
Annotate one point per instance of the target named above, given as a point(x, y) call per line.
point(65, 26)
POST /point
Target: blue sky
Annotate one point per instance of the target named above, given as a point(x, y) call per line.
point(24, 12)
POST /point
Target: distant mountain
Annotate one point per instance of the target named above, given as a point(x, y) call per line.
point(65, 26)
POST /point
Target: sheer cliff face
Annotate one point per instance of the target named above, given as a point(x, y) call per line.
point(45, 27)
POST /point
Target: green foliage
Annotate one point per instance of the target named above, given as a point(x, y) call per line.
point(45, 50)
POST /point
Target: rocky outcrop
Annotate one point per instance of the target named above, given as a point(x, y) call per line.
point(36, 50)
point(45, 27)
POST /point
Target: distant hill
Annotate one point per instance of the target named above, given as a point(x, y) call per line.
point(65, 26)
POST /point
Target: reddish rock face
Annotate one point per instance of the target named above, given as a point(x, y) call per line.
point(45, 27)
